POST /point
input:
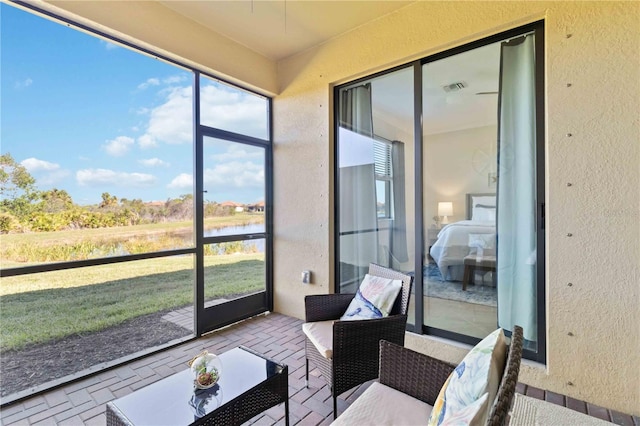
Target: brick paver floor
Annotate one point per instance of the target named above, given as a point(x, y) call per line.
point(276, 336)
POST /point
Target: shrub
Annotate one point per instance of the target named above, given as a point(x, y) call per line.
point(9, 223)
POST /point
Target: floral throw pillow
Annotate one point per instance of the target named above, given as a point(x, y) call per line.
point(374, 298)
point(478, 374)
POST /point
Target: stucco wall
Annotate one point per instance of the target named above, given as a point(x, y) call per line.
point(600, 361)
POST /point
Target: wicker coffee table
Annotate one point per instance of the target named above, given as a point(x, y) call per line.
point(249, 384)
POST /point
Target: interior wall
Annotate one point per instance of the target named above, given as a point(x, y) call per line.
point(592, 93)
point(457, 163)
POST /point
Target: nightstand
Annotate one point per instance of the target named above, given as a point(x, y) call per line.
point(432, 236)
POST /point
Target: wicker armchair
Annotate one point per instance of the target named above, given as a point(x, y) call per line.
point(421, 377)
point(354, 345)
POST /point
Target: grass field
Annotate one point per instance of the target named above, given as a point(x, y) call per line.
point(37, 308)
point(40, 307)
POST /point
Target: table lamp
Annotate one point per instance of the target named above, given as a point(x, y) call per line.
point(445, 208)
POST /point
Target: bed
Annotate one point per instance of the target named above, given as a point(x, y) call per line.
point(475, 235)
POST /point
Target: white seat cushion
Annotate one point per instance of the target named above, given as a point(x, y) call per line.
point(382, 405)
point(321, 335)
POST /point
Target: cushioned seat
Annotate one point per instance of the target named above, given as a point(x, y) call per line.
point(387, 406)
point(345, 347)
point(479, 391)
point(320, 333)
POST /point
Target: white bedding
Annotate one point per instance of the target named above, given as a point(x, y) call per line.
point(452, 245)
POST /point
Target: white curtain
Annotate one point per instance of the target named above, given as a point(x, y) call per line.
point(358, 216)
point(399, 235)
point(517, 188)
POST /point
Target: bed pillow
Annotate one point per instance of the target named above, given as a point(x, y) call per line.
point(374, 298)
point(486, 200)
point(484, 213)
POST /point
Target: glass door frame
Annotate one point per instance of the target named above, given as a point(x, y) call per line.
point(538, 29)
point(209, 319)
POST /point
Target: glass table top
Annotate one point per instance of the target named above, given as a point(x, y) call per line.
point(175, 401)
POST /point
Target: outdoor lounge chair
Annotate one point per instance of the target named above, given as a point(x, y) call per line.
point(410, 384)
point(350, 354)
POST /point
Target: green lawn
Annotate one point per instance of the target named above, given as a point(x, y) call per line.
point(40, 307)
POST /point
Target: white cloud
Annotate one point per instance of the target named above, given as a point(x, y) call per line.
point(235, 174)
point(238, 152)
point(119, 146)
point(222, 107)
point(24, 83)
point(171, 122)
point(174, 79)
point(150, 82)
point(153, 162)
point(101, 177)
point(34, 165)
point(147, 141)
point(109, 45)
point(45, 172)
point(183, 180)
point(233, 109)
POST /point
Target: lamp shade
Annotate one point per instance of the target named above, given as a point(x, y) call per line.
point(445, 208)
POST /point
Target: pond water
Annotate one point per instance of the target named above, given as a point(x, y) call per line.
point(233, 230)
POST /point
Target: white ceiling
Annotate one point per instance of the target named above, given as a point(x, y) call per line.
point(392, 94)
point(278, 29)
point(281, 28)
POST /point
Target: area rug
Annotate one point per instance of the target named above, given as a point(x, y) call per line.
point(452, 290)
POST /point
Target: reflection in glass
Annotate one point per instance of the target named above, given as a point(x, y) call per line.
point(375, 161)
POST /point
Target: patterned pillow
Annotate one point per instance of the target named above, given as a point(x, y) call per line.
point(471, 415)
point(478, 374)
point(374, 298)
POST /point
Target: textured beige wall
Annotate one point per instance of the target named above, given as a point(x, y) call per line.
point(151, 25)
point(600, 361)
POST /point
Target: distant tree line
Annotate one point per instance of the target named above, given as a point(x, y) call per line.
point(24, 208)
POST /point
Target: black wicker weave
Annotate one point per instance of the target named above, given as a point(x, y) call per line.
point(507, 388)
point(355, 343)
point(422, 376)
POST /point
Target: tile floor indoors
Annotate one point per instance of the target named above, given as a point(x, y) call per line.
point(275, 335)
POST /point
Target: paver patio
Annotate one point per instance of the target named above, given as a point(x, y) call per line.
point(275, 335)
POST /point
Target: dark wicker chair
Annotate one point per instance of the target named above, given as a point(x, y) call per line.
point(355, 343)
point(422, 376)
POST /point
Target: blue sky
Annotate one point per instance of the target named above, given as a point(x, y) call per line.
point(87, 116)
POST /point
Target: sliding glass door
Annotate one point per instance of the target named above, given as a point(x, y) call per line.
point(471, 125)
point(375, 175)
